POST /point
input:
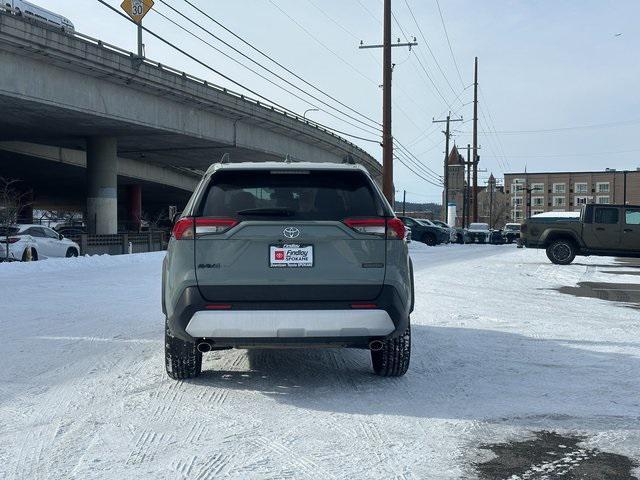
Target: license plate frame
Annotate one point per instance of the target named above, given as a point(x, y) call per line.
point(293, 255)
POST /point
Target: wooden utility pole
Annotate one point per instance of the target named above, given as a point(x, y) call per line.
point(404, 202)
point(387, 69)
point(467, 186)
point(492, 187)
point(387, 137)
point(475, 142)
point(447, 135)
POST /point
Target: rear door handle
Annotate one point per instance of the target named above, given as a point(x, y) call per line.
point(600, 229)
point(627, 230)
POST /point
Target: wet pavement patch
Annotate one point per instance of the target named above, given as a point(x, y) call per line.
point(628, 293)
point(550, 455)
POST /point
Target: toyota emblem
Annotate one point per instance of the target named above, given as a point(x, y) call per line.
point(291, 232)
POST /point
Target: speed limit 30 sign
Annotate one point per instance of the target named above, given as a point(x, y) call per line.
point(137, 9)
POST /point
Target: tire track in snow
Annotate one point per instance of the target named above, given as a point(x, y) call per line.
point(184, 467)
point(302, 463)
point(213, 467)
point(145, 447)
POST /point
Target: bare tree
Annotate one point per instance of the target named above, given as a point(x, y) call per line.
point(154, 221)
point(12, 201)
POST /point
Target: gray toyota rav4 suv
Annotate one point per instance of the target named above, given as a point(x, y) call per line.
point(287, 255)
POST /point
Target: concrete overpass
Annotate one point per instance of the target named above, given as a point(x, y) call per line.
point(88, 115)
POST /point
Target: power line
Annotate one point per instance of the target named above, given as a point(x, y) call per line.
point(226, 77)
point(261, 66)
point(424, 38)
point(576, 127)
point(321, 43)
point(431, 129)
point(420, 62)
point(399, 87)
point(370, 13)
point(416, 160)
point(418, 166)
point(444, 26)
point(427, 170)
point(276, 62)
point(493, 126)
point(585, 154)
point(416, 173)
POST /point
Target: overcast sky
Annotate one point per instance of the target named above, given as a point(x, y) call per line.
point(549, 64)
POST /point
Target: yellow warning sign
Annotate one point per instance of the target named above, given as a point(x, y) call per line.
point(137, 9)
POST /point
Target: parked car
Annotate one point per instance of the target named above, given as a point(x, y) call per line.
point(71, 230)
point(496, 237)
point(425, 232)
point(451, 230)
point(603, 230)
point(287, 254)
point(461, 235)
point(38, 241)
point(478, 233)
point(511, 232)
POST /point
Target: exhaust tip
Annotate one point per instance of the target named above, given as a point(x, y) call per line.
point(376, 345)
point(204, 347)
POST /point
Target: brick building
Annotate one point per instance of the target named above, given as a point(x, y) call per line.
point(531, 193)
point(491, 204)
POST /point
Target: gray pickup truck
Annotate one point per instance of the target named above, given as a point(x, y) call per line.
point(604, 230)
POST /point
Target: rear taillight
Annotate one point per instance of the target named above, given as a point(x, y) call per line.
point(207, 226)
point(393, 228)
point(10, 240)
point(396, 229)
point(183, 229)
point(372, 226)
point(187, 228)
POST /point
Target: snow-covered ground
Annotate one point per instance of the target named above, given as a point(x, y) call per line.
point(498, 353)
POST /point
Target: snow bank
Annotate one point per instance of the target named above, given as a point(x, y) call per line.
point(557, 215)
point(87, 262)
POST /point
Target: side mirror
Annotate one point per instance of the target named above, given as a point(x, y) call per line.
point(60, 236)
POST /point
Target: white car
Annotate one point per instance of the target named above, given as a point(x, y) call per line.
point(42, 242)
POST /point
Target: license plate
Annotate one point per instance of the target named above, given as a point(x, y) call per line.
point(291, 256)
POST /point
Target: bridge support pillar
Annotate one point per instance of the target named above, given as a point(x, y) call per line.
point(102, 185)
point(134, 207)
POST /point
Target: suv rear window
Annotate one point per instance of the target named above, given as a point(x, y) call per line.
point(299, 195)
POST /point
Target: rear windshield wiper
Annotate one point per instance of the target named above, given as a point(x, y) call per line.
point(273, 212)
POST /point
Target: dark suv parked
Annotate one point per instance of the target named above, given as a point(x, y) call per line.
point(429, 234)
point(287, 254)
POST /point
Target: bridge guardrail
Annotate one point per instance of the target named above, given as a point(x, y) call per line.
point(206, 83)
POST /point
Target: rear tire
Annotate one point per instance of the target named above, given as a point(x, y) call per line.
point(561, 252)
point(72, 252)
point(182, 359)
point(429, 239)
point(393, 359)
point(34, 255)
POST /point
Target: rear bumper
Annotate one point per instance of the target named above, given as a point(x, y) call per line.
point(290, 324)
point(261, 322)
